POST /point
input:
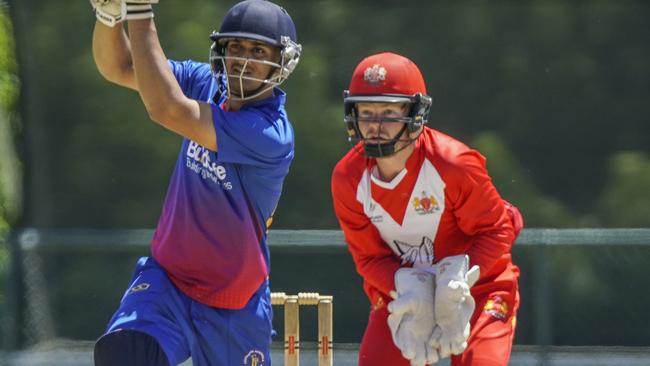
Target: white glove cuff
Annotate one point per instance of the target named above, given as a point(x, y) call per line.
point(136, 11)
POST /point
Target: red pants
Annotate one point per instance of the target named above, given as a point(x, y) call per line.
point(490, 341)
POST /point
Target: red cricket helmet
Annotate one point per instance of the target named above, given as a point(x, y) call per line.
point(387, 74)
point(386, 78)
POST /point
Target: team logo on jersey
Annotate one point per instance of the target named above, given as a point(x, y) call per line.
point(139, 287)
point(421, 254)
point(374, 74)
point(254, 358)
point(496, 307)
point(425, 205)
point(198, 160)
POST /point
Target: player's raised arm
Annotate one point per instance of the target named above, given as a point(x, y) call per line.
point(117, 61)
point(160, 92)
point(111, 46)
point(112, 54)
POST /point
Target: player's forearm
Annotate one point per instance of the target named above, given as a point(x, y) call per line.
point(489, 246)
point(112, 54)
point(379, 272)
point(491, 231)
point(373, 261)
point(164, 99)
point(158, 87)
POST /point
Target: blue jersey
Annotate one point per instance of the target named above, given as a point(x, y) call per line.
point(211, 236)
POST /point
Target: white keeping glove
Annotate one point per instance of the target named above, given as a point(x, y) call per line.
point(111, 12)
point(454, 304)
point(411, 318)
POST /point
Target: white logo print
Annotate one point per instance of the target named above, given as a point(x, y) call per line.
point(374, 74)
point(198, 160)
point(416, 254)
point(123, 318)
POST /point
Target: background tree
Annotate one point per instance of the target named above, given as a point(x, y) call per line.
point(10, 181)
point(550, 91)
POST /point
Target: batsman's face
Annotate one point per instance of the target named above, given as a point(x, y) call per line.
point(375, 121)
point(248, 62)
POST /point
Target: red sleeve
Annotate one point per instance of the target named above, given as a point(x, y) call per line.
point(481, 212)
point(374, 260)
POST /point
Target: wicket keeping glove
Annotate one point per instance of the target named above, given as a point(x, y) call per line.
point(454, 304)
point(412, 318)
point(111, 12)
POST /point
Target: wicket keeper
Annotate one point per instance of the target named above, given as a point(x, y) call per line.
point(427, 230)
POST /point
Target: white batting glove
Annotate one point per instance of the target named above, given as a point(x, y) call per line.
point(412, 318)
point(454, 304)
point(111, 12)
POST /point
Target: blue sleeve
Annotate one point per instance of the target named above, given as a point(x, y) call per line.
point(253, 137)
point(194, 78)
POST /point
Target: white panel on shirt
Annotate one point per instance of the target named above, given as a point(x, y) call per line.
point(413, 240)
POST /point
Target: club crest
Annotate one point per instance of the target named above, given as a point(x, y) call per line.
point(254, 358)
point(496, 307)
point(375, 74)
point(425, 205)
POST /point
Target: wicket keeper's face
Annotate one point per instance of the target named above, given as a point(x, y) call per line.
point(248, 63)
point(377, 124)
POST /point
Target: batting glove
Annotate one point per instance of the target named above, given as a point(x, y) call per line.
point(412, 318)
point(111, 12)
point(454, 304)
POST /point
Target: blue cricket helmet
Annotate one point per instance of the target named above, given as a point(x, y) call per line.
point(260, 20)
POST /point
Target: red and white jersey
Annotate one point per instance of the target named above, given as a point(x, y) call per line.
point(443, 203)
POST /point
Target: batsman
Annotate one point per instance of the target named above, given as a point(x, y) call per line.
point(428, 232)
point(204, 291)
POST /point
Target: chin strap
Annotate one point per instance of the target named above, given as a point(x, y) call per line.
point(385, 149)
point(388, 148)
